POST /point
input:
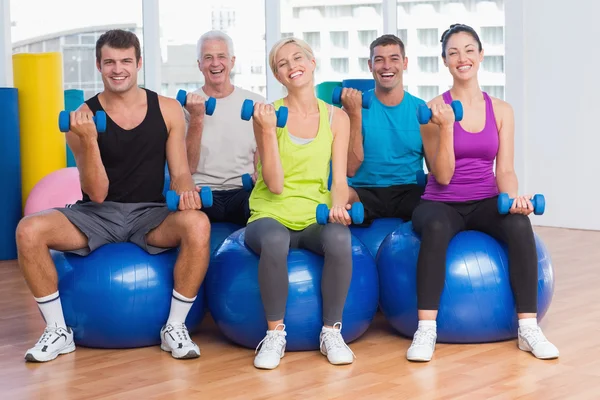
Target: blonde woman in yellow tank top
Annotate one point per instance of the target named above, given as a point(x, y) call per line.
point(293, 172)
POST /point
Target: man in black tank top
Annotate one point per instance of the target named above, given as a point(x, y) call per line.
point(122, 177)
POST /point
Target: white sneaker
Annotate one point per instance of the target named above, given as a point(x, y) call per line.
point(334, 347)
point(272, 349)
point(54, 341)
point(176, 340)
point(423, 345)
point(532, 339)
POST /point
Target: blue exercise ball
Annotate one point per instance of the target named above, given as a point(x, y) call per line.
point(119, 296)
point(219, 231)
point(477, 304)
point(372, 236)
point(235, 303)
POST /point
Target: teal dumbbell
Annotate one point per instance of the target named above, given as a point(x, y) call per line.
point(424, 113)
point(209, 104)
point(247, 183)
point(336, 98)
point(64, 121)
point(505, 203)
point(248, 110)
point(205, 196)
point(357, 213)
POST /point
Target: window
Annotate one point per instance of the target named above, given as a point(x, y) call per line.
point(493, 64)
point(428, 37)
point(494, 91)
point(363, 65)
point(313, 39)
point(428, 92)
point(428, 64)
point(182, 22)
point(403, 35)
point(345, 30)
point(44, 26)
point(340, 65)
point(492, 35)
point(339, 40)
point(365, 38)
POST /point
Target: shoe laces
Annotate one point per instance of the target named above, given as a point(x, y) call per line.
point(333, 339)
point(533, 335)
point(274, 340)
point(180, 331)
point(424, 337)
point(49, 332)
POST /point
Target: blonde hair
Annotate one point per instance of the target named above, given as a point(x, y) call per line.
point(282, 42)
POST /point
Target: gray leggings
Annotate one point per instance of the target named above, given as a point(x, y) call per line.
point(272, 241)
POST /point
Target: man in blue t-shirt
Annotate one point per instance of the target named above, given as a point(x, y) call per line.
point(385, 150)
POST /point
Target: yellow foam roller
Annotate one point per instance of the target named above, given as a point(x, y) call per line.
point(39, 79)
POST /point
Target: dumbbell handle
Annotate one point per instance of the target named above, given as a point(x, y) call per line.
point(209, 104)
point(205, 196)
point(64, 121)
point(336, 97)
point(357, 213)
point(505, 203)
point(424, 113)
point(248, 110)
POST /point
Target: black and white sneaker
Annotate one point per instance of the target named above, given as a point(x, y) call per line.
point(176, 340)
point(54, 341)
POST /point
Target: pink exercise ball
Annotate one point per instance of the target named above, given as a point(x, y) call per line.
point(56, 189)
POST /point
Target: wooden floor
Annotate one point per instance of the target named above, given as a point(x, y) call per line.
point(492, 371)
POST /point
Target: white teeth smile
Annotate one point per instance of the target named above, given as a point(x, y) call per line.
point(216, 72)
point(464, 68)
point(295, 74)
point(118, 78)
point(387, 75)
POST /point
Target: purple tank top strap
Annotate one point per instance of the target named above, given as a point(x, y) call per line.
point(490, 117)
point(447, 97)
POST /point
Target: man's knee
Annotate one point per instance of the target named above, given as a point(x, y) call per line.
point(194, 226)
point(30, 231)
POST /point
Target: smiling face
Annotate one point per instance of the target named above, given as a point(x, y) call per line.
point(294, 66)
point(118, 68)
point(463, 56)
point(215, 62)
point(387, 66)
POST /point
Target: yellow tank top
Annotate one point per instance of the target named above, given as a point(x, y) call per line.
point(305, 178)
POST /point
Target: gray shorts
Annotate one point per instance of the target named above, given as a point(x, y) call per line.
point(111, 222)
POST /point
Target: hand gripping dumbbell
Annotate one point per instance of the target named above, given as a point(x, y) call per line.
point(205, 196)
point(209, 104)
point(424, 113)
point(357, 213)
point(248, 110)
point(505, 203)
point(64, 121)
point(367, 97)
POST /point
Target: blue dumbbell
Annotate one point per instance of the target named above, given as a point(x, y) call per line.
point(209, 104)
point(205, 196)
point(336, 98)
point(64, 121)
point(247, 183)
point(505, 203)
point(357, 213)
point(421, 178)
point(424, 112)
point(248, 110)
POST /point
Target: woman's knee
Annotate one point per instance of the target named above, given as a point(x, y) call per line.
point(336, 237)
point(517, 226)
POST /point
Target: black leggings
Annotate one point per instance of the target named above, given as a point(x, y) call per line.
point(272, 241)
point(439, 222)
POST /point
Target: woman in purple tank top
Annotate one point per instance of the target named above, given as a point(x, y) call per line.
point(462, 193)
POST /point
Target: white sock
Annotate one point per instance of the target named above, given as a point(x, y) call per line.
point(51, 309)
point(427, 324)
point(180, 307)
point(528, 322)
